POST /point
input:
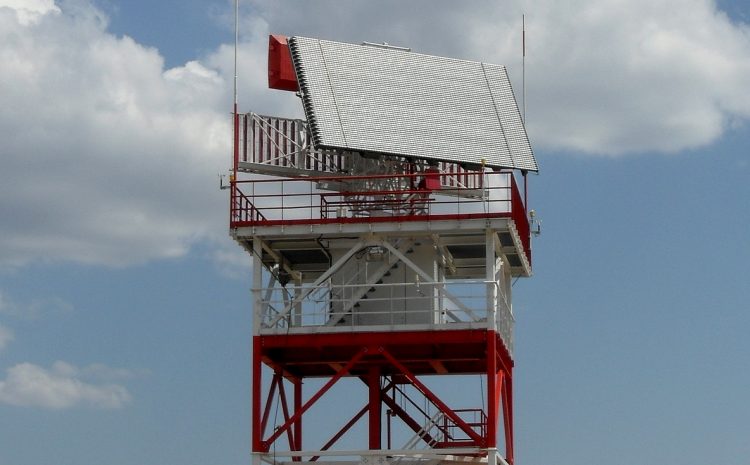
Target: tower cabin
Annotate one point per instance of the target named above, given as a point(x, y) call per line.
point(385, 230)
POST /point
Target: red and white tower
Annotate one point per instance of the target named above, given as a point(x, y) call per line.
point(385, 230)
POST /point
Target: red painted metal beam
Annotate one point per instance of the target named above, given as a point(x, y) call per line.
point(269, 401)
point(508, 417)
point(492, 400)
point(257, 432)
point(480, 441)
point(297, 408)
point(375, 403)
point(285, 411)
point(342, 431)
point(316, 355)
point(358, 339)
point(341, 373)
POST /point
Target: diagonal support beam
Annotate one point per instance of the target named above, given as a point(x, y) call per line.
point(297, 415)
point(271, 394)
point(447, 255)
point(364, 288)
point(479, 440)
point(266, 302)
point(285, 411)
point(430, 280)
point(342, 431)
point(303, 295)
point(408, 420)
point(278, 259)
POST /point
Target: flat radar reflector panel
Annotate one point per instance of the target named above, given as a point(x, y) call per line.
point(380, 100)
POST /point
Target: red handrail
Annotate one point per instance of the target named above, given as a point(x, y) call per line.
point(398, 204)
point(520, 218)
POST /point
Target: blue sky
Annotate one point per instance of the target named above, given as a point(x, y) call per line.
point(124, 308)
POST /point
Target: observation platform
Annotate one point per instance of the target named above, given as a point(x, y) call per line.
point(298, 217)
point(377, 254)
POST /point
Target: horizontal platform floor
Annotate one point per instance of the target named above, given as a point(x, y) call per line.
point(421, 352)
point(304, 246)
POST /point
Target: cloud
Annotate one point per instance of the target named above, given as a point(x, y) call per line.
point(111, 159)
point(603, 77)
point(108, 158)
point(630, 77)
point(229, 262)
point(101, 372)
point(30, 11)
point(34, 309)
point(6, 336)
point(61, 387)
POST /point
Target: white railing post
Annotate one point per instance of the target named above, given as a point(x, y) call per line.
point(257, 285)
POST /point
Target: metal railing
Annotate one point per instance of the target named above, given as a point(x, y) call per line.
point(475, 418)
point(363, 198)
point(272, 201)
point(272, 142)
point(283, 142)
point(345, 307)
point(242, 208)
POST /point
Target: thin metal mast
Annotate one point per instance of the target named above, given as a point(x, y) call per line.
point(235, 114)
point(523, 64)
point(236, 40)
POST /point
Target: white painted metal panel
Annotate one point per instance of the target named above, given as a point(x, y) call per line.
point(379, 100)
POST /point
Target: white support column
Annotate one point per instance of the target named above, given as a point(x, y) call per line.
point(257, 285)
point(297, 312)
point(508, 287)
point(268, 292)
point(437, 308)
point(491, 270)
point(500, 267)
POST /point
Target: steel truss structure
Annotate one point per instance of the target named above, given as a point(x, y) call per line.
point(384, 307)
point(386, 369)
point(388, 271)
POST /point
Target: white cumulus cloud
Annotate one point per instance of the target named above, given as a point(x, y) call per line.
point(629, 77)
point(108, 158)
point(62, 386)
point(34, 309)
point(111, 159)
point(605, 77)
point(29, 11)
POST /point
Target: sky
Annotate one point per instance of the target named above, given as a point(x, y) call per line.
point(125, 313)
